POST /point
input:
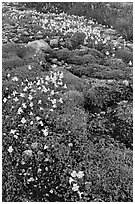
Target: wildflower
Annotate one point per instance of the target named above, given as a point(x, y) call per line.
point(10, 149)
point(28, 152)
point(70, 144)
point(107, 53)
point(30, 97)
point(75, 187)
point(23, 120)
point(29, 67)
point(80, 194)
point(38, 118)
point(80, 174)
point(52, 92)
point(24, 105)
point(31, 123)
point(130, 63)
point(4, 100)
point(41, 108)
point(22, 94)
point(45, 132)
point(39, 101)
point(65, 86)
point(41, 123)
point(47, 78)
point(30, 179)
point(15, 136)
point(14, 93)
point(54, 101)
point(74, 174)
point(71, 180)
point(46, 147)
point(44, 89)
point(8, 75)
point(125, 82)
point(20, 111)
point(51, 191)
point(60, 100)
point(12, 131)
point(30, 113)
point(31, 104)
point(14, 79)
point(26, 88)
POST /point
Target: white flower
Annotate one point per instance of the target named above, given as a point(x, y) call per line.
point(107, 53)
point(12, 131)
point(8, 75)
point(44, 89)
point(38, 83)
point(47, 78)
point(15, 136)
point(60, 100)
point(52, 92)
point(45, 132)
point(14, 93)
point(125, 82)
point(23, 120)
point(24, 105)
point(46, 147)
point(80, 174)
point(4, 100)
point(16, 99)
point(70, 144)
point(130, 63)
point(53, 101)
point(75, 187)
point(22, 94)
point(31, 104)
point(41, 123)
point(28, 152)
point(39, 101)
point(74, 174)
point(65, 86)
point(38, 118)
point(10, 149)
point(14, 79)
point(71, 180)
point(30, 179)
point(30, 113)
point(30, 97)
point(20, 111)
point(41, 108)
point(54, 106)
point(31, 123)
point(29, 67)
point(26, 88)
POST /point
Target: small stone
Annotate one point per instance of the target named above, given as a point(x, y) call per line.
point(54, 42)
point(54, 60)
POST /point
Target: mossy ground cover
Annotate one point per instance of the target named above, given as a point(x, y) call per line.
point(66, 109)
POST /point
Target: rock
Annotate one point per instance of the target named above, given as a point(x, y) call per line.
point(81, 70)
point(115, 63)
point(86, 59)
point(73, 98)
point(77, 39)
point(97, 54)
point(125, 55)
point(39, 45)
point(26, 33)
point(54, 61)
point(63, 54)
point(54, 42)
